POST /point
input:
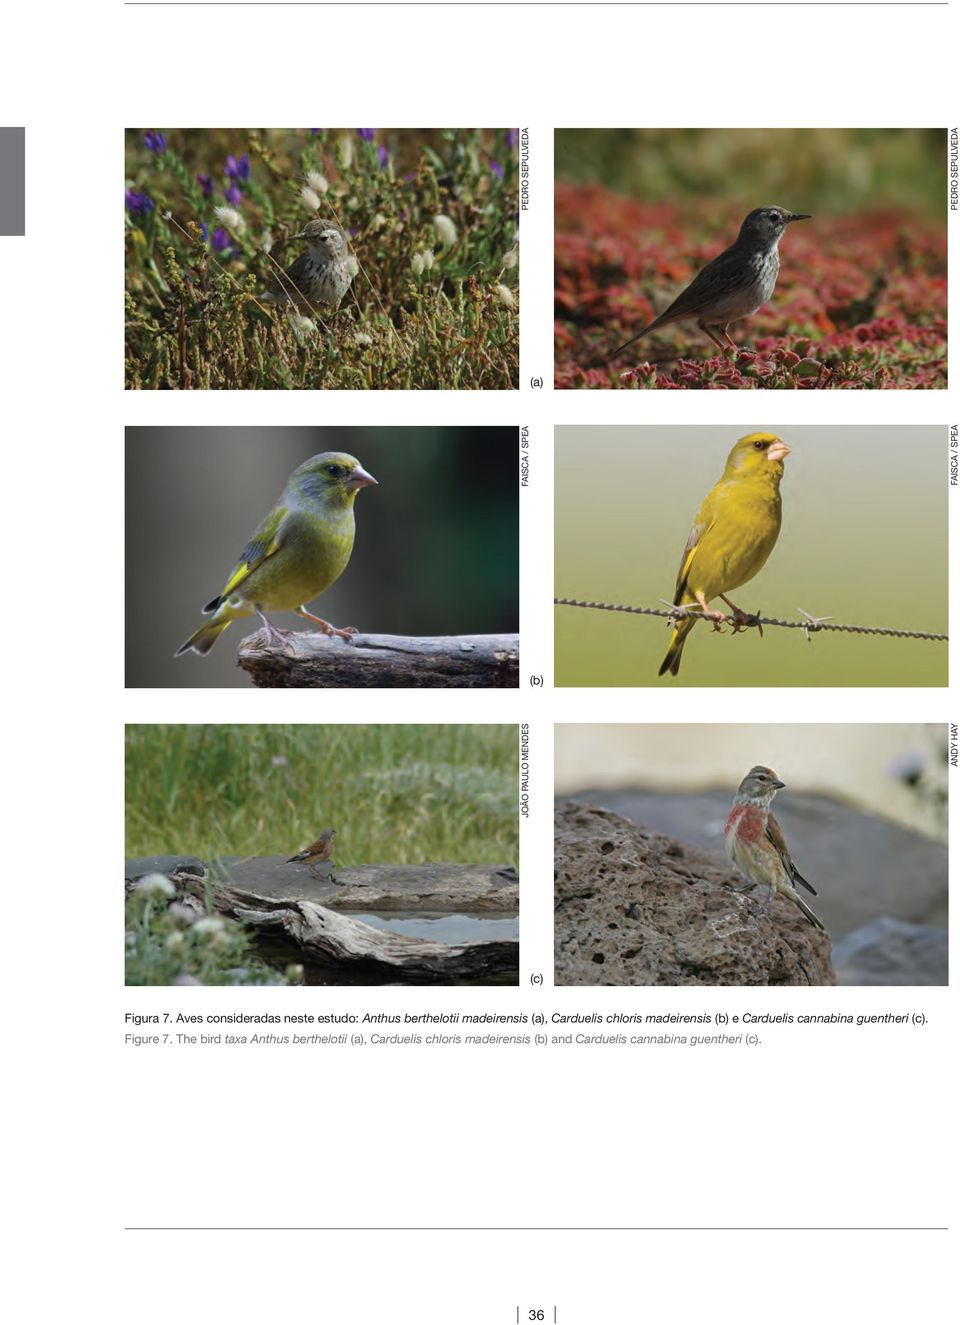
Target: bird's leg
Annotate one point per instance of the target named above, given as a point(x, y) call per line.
point(708, 331)
point(731, 343)
point(740, 619)
point(346, 633)
point(718, 618)
point(277, 637)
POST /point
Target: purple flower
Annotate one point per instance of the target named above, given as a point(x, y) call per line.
point(220, 241)
point(138, 202)
point(383, 156)
point(513, 137)
point(233, 196)
point(367, 135)
point(496, 169)
point(316, 131)
point(206, 184)
point(155, 141)
point(238, 167)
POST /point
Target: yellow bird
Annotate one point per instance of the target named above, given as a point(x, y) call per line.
point(734, 533)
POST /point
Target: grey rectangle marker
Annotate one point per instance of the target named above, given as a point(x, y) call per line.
point(12, 181)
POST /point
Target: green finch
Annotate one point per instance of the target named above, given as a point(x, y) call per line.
point(732, 536)
point(297, 552)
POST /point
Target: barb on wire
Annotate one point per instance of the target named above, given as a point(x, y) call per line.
point(810, 625)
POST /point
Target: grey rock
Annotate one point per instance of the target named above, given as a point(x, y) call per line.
point(166, 865)
point(862, 866)
point(892, 952)
point(634, 907)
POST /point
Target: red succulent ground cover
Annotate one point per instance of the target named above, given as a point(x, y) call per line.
point(861, 301)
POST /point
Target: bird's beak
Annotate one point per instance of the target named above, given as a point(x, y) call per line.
point(777, 450)
point(799, 216)
point(361, 479)
point(777, 784)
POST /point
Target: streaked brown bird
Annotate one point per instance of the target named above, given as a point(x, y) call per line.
point(322, 275)
point(316, 852)
point(734, 284)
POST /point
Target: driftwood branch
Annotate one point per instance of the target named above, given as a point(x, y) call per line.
point(315, 661)
point(327, 937)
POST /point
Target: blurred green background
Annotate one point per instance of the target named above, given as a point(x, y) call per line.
point(830, 170)
point(395, 793)
point(864, 540)
point(436, 548)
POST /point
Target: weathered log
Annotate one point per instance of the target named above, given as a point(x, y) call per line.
point(434, 886)
point(316, 661)
point(326, 937)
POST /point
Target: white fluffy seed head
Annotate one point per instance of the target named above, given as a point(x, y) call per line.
point(156, 886)
point(506, 296)
point(231, 218)
point(310, 199)
point(446, 230)
point(303, 327)
point(319, 183)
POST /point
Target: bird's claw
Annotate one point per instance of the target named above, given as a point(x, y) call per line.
point(345, 633)
point(744, 620)
point(814, 623)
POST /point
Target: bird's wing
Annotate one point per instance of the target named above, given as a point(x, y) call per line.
point(702, 525)
point(718, 278)
point(295, 274)
point(686, 561)
point(265, 542)
point(778, 841)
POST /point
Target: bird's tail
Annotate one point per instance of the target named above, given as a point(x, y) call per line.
point(681, 630)
point(627, 343)
point(814, 920)
point(301, 855)
point(203, 640)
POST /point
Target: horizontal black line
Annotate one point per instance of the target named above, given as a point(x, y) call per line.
point(547, 4)
point(535, 1228)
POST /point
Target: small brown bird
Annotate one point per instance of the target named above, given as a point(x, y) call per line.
point(322, 275)
point(316, 852)
point(756, 845)
point(734, 284)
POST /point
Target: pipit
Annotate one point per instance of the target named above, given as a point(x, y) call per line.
point(736, 283)
point(322, 275)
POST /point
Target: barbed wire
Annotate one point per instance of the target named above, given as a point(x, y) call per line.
point(810, 625)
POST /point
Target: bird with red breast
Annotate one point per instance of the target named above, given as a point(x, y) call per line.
point(756, 845)
point(316, 853)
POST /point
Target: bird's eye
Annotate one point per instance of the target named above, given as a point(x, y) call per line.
point(335, 471)
point(761, 446)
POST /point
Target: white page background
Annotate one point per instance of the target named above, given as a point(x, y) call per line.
point(826, 1128)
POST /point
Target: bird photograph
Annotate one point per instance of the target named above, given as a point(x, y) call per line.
point(672, 868)
point(737, 259)
point(322, 259)
point(413, 880)
point(791, 556)
point(312, 539)
point(298, 551)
